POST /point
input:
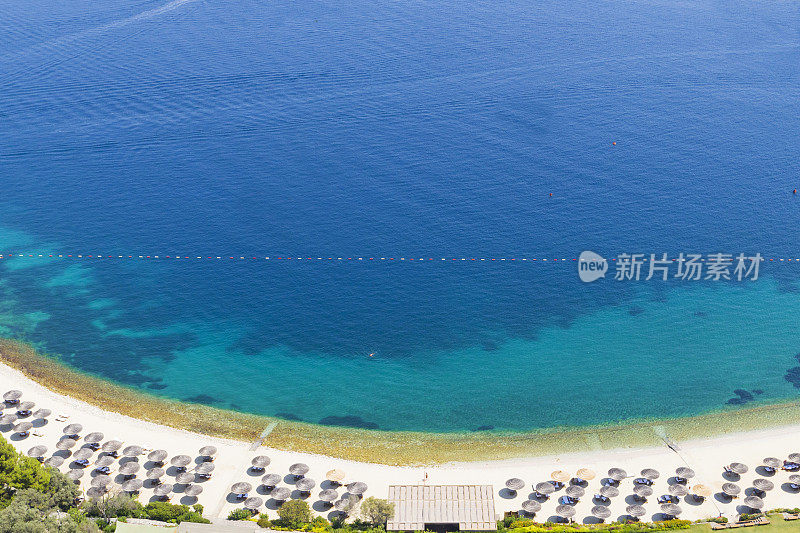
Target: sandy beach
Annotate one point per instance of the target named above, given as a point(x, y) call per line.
point(706, 456)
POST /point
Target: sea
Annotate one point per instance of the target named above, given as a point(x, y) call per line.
point(369, 214)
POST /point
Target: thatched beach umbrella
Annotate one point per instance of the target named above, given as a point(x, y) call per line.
point(54, 461)
point(617, 474)
point(132, 451)
point(731, 489)
point(671, 509)
point(104, 461)
point(702, 491)
point(260, 462)
point(157, 456)
point(132, 485)
point(586, 474)
point(253, 503)
point(794, 457)
point(193, 490)
point(10, 418)
point(684, 472)
point(763, 484)
point(130, 468)
point(155, 473)
point(184, 478)
point(754, 502)
point(298, 469)
point(650, 473)
point(41, 413)
point(305, 484)
point(514, 484)
point(180, 461)
point(794, 479)
point(560, 476)
point(24, 408)
point(101, 481)
point(208, 452)
point(772, 462)
point(601, 511)
point(163, 490)
point(271, 480)
point(531, 506)
point(607, 491)
point(95, 493)
point(37, 452)
point(635, 510)
point(241, 487)
point(72, 429)
point(23, 427)
point(335, 476)
point(544, 488)
point(281, 494)
point(738, 468)
point(204, 469)
point(12, 396)
point(358, 488)
point(75, 474)
point(66, 444)
point(566, 511)
point(94, 437)
point(343, 505)
point(84, 454)
point(575, 491)
point(643, 491)
point(111, 446)
point(328, 495)
point(678, 490)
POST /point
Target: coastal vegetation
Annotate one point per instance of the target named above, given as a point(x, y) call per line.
point(515, 525)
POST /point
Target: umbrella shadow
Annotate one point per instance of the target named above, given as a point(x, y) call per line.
point(255, 473)
point(272, 504)
point(693, 500)
point(264, 490)
point(150, 483)
point(62, 453)
point(582, 483)
point(151, 464)
point(731, 476)
point(660, 517)
point(763, 472)
point(188, 500)
point(233, 498)
point(299, 495)
point(787, 487)
point(507, 494)
point(722, 497)
point(631, 499)
point(321, 506)
point(327, 484)
point(592, 520)
point(16, 437)
point(290, 479)
point(172, 471)
point(752, 491)
point(39, 422)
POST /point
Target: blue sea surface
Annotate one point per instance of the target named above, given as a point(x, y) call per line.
point(413, 128)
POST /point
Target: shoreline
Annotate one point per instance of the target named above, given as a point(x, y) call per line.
point(374, 446)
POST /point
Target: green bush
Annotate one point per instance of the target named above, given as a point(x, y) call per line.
point(294, 514)
point(616, 527)
point(263, 521)
point(240, 514)
point(718, 520)
point(748, 517)
point(167, 512)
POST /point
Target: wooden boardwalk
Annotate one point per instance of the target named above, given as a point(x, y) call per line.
point(471, 507)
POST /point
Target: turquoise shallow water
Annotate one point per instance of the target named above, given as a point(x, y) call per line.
point(417, 129)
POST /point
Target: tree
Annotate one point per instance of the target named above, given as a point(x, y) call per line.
point(295, 513)
point(377, 511)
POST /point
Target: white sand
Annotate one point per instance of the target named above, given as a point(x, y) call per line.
point(706, 457)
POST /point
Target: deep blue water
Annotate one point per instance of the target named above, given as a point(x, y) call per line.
point(417, 129)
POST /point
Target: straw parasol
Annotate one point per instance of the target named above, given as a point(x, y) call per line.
point(671, 509)
point(130, 468)
point(754, 502)
point(75, 474)
point(567, 511)
point(343, 505)
point(96, 492)
point(163, 490)
point(41, 413)
point(358, 488)
point(635, 510)
point(94, 437)
point(111, 446)
point(794, 478)
point(157, 456)
point(23, 427)
point(335, 476)
point(132, 485)
point(650, 473)
point(794, 457)
point(731, 489)
point(271, 480)
point(545, 488)
point(328, 495)
point(298, 469)
point(193, 490)
point(601, 511)
point(101, 481)
point(586, 474)
point(260, 462)
point(607, 491)
point(83, 454)
point(204, 469)
point(514, 484)
point(241, 487)
point(281, 493)
point(738, 468)
point(104, 461)
point(24, 407)
point(180, 461)
point(37, 451)
point(763, 484)
point(702, 491)
point(643, 491)
point(253, 503)
point(305, 484)
point(684, 472)
point(575, 491)
point(155, 473)
point(12, 395)
point(54, 461)
point(184, 478)
point(772, 462)
point(73, 429)
point(531, 506)
point(66, 444)
point(617, 474)
point(560, 476)
point(678, 490)
point(208, 451)
point(132, 451)
point(10, 418)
